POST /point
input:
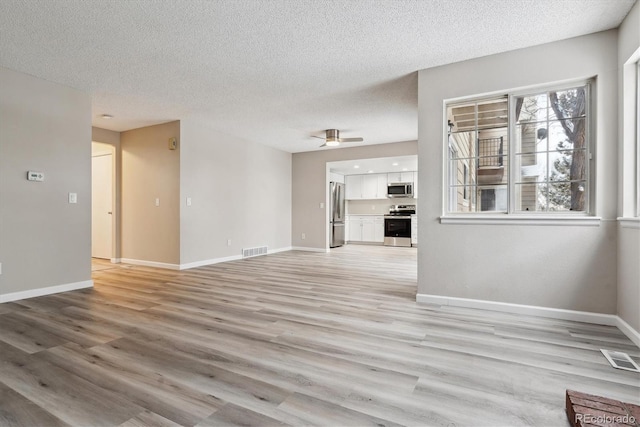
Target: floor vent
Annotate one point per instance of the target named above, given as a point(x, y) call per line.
point(620, 360)
point(251, 252)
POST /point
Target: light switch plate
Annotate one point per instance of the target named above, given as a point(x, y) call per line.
point(73, 197)
point(157, 201)
point(188, 201)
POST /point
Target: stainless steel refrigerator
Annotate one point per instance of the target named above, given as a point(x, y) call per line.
point(336, 219)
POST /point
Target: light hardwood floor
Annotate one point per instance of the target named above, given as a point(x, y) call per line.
point(294, 338)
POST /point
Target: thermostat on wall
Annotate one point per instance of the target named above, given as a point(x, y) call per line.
point(35, 176)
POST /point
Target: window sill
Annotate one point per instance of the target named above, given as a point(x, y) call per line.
point(513, 219)
point(629, 222)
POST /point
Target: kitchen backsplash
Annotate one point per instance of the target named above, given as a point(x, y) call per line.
point(378, 207)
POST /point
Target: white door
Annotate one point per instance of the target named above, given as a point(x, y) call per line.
point(102, 206)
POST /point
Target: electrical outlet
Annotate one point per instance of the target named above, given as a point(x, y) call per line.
point(73, 197)
point(304, 236)
point(188, 201)
point(157, 201)
point(321, 205)
point(229, 242)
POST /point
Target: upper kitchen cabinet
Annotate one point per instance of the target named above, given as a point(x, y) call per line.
point(366, 187)
point(353, 187)
point(394, 177)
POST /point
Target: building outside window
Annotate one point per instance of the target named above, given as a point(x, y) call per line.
point(520, 153)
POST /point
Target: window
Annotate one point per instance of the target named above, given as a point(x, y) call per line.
point(520, 153)
point(465, 180)
point(452, 178)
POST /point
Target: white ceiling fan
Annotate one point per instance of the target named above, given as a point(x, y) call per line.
point(332, 138)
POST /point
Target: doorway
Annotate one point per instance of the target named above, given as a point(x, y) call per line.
point(102, 201)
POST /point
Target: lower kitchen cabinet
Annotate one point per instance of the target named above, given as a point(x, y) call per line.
point(366, 228)
point(378, 229)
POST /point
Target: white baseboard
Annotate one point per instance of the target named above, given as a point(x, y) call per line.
point(209, 262)
point(116, 260)
point(529, 310)
point(532, 310)
point(305, 249)
point(285, 249)
point(225, 259)
point(150, 263)
point(15, 296)
point(626, 329)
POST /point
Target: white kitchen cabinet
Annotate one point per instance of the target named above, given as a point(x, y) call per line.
point(378, 229)
point(366, 228)
point(414, 230)
point(336, 177)
point(366, 187)
point(355, 229)
point(393, 177)
point(382, 186)
point(353, 187)
point(369, 186)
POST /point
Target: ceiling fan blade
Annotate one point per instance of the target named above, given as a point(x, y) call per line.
point(323, 145)
point(319, 137)
point(351, 140)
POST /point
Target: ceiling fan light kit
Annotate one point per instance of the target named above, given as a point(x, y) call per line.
point(332, 143)
point(332, 138)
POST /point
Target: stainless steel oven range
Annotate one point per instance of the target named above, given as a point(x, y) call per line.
point(397, 225)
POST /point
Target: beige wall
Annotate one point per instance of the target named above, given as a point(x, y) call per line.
point(44, 240)
point(150, 170)
point(628, 303)
point(240, 191)
point(565, 267)
point(111, 138)
point(310, 187)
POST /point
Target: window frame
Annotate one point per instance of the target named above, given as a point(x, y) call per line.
point(637, 137)
point(588, 216)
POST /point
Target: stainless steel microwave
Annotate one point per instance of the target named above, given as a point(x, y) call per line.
point(400, 189)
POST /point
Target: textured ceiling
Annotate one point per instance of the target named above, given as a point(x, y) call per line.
point(274, 71)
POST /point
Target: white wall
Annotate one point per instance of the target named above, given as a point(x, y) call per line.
point(44, 240)
point(310, 187)
point(565, 267)
point(628, 303)
point(240, 191)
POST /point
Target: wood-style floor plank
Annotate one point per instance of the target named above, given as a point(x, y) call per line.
point(294, 338)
